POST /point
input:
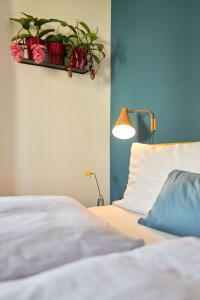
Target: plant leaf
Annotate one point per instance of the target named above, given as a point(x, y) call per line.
point(17, 20)
point(57, 38)
point(97, 60)
point(72, 36)
point(100, 47)
point(28, 16)
point(20, 36)
point(71, 43)
point(85, 26)
point(63, 23)
point(26, 23)
point(23, 21)
point(72, 29)
point(44, 32)
point(40, 22)
point(81, 30)
point(91, 35)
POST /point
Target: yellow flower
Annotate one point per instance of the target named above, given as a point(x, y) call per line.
point(88, 173)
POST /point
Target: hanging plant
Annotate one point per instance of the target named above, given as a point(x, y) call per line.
point(80, 46)
point(32, 33)
point(84, 49)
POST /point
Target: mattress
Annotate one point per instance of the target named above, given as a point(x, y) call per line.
point(126, 222)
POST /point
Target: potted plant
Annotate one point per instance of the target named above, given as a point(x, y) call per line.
point(83, 49)
point(56, 44)
point(32, 33)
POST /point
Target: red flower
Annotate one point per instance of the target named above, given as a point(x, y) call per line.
point(38, 53)
point(17, 52)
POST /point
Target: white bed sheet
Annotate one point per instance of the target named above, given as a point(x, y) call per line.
point(126, 222)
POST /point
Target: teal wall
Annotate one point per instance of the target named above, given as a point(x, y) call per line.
point(155, 65)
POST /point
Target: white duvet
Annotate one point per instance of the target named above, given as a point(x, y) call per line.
point(168, 270)
point(38, 233)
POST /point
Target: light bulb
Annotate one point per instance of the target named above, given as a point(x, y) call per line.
point(123, 131)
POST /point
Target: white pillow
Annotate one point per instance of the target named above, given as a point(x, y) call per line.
point(149, 168)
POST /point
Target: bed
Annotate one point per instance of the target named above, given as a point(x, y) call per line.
point(51, 247)
point(57, 249)
point(127, 222)
point(150, 166)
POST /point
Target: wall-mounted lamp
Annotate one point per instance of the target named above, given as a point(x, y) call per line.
point(124, 128)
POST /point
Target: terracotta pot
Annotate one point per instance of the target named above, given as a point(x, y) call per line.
point(30, 42)
point(56, 53)
point(78, 58)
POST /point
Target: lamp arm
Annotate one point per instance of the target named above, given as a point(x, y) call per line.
point(153, 122)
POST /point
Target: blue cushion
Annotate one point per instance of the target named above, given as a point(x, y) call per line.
point(177, 208)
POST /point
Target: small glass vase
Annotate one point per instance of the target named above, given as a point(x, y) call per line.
point(100, 201)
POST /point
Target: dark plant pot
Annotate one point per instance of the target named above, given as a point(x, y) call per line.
point(56, 53)
point(78, 58)
point(30, 42)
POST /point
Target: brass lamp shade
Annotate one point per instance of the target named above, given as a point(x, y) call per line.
point(124, 118)
point(123, 128)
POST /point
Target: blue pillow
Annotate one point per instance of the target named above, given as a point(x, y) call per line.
point(177, 207)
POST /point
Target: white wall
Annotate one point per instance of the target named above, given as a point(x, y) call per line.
point(6, 104)
point(61, 125)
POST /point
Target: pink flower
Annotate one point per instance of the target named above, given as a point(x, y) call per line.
point(38, 53)
point(17, 52)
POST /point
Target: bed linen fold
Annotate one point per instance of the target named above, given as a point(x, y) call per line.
point(166, 270)
point(38, 233)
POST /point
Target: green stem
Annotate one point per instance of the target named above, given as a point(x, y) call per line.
point(38, 30)
point(78, 39)
point(58, 28)
point(29, 32)
point(18, 34)
point(97, 184)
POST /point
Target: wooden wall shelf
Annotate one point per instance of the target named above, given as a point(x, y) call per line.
point(53, 66)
